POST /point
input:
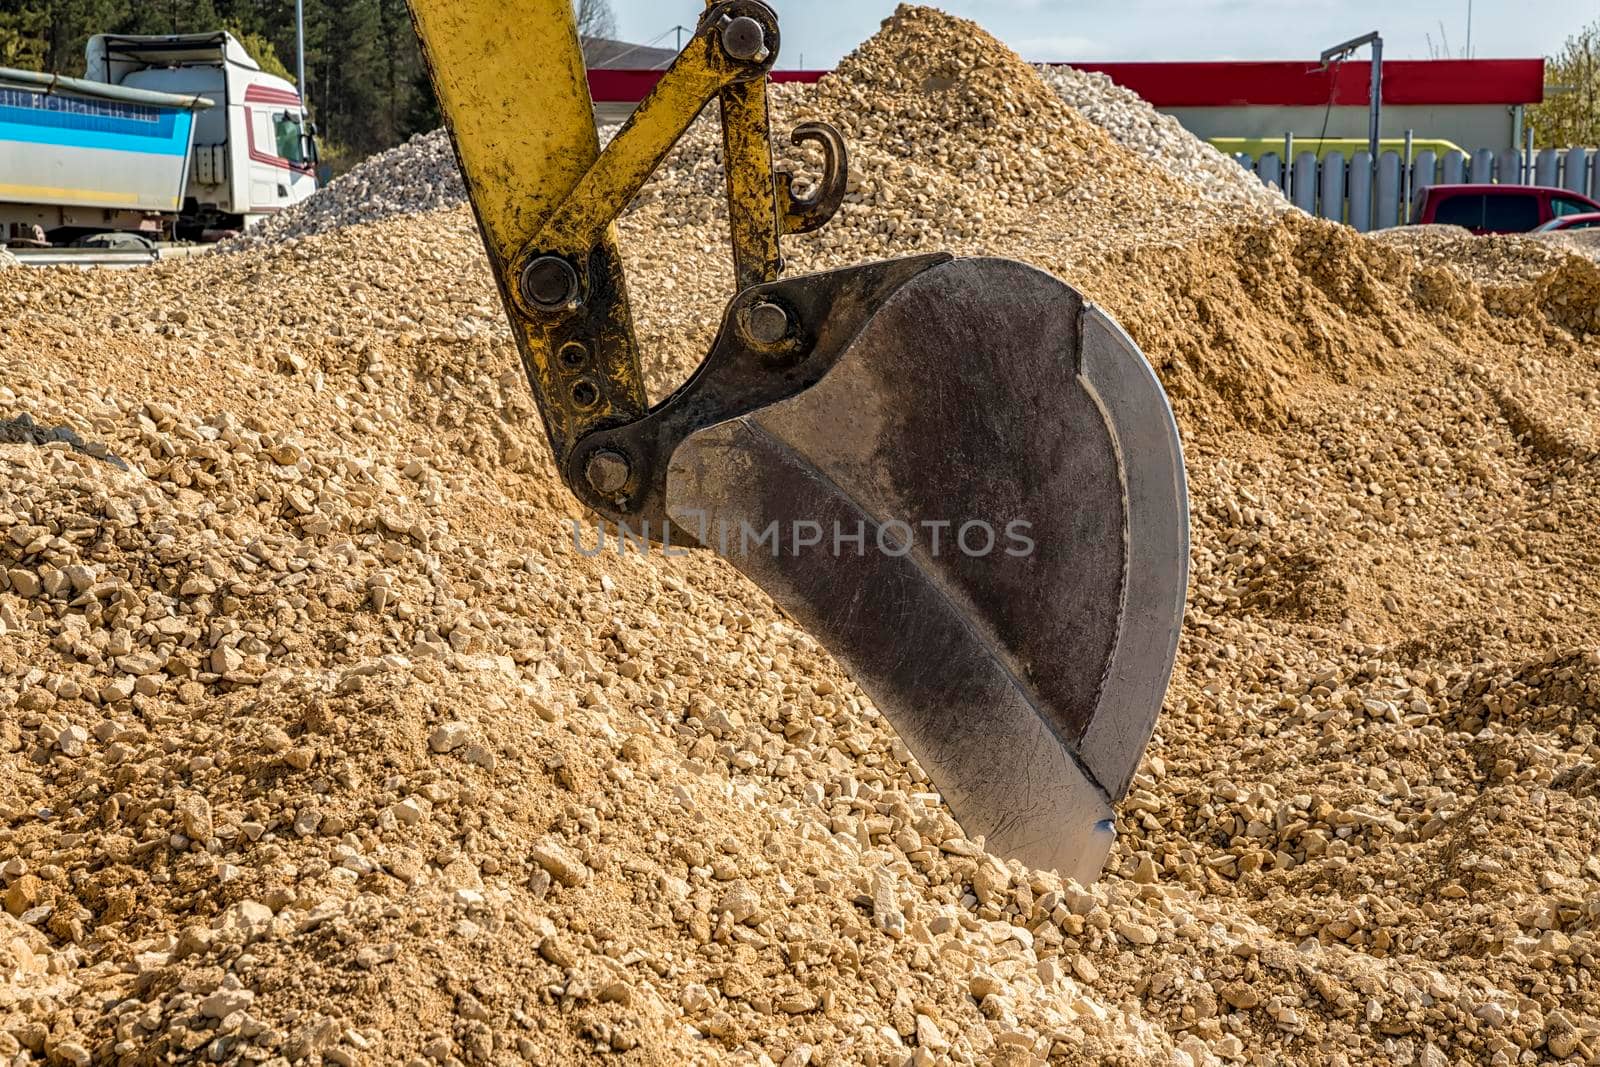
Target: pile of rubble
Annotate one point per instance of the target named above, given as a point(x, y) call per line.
point(1130, 121)
point(420, 175)
point(326, 737)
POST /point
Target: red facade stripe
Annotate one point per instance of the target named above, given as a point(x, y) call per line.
point(1436, 82)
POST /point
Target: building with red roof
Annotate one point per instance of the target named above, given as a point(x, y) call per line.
point(1475, 103)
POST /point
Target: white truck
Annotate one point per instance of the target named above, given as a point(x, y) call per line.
point(180, 137)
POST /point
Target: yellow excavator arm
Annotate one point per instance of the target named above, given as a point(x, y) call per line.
point(959, 475)
point(546, 197)
point(513, 87)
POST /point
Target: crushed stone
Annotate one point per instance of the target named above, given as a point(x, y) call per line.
point(1132, 122)
point(321, 741)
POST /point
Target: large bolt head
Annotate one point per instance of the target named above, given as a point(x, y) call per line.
point(549, 283)
point(744, 39)
point(608, 472)
point(766, 323)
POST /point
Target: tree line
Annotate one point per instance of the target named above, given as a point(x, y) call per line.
point(365, 80)
point(1570, 114)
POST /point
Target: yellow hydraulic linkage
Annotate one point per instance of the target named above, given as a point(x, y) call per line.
point(514, 89)
point(959, 475)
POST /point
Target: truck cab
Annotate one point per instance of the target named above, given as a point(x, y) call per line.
point(254, 150)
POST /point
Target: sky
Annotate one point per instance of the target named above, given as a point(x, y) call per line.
point(821, 31)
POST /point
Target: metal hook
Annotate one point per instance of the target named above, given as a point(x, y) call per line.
point(804, 215)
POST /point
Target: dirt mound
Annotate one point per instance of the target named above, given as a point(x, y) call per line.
point(324, 736)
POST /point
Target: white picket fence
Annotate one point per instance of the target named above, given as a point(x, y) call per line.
point(1340, 189)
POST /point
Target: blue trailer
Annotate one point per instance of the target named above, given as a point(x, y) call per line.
point(169, 136)
point(80, 154)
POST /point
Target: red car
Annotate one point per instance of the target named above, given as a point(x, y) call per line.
point(1571, 222)
point(1500, 208)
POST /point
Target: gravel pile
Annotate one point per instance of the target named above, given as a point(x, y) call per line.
point(420, 175)
point(320, 742)
point(1138, 127)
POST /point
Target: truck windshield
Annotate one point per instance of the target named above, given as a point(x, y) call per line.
point(291, 139)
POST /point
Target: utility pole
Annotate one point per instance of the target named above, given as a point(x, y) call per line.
point(1469, 29)
point(1375, 107)
point(300, 48)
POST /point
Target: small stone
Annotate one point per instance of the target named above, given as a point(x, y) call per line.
point(24, 583)
point(72, 1052)
point(24, 894)
point(225, 1002)
point(1135, 932)
point(408, 812)
point(197, 585)
point(120, 643)
point(1563, 1044)
point(991, 882)
point(886, 913)
point(194, 815)
point(982, 985)
point(449, 736)
point(311, 1039)
point(929, 1036)
point(225, 660)
point(1240, 995)
point(695, 999)
point(563, 866)
point(142, 664)
point(245, 915)
point(740, 902)
point(275, 740)
point(38, 698)
point(470, 1007)
point(82, 577)
point(555, 951)
point(72, 740)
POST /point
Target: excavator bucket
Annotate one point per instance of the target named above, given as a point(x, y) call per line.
point(957, 474)
point(981, 510)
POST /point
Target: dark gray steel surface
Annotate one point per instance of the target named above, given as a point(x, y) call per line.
point(982, 391)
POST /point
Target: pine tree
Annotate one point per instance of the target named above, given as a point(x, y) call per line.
point(72, 23)
point(23, 34)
